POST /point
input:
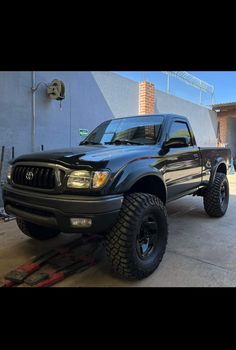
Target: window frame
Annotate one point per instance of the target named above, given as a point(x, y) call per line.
point(181, 122)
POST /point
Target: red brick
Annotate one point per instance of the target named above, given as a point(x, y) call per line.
point(146, 97)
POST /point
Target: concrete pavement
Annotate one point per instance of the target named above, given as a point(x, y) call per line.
point(201, 251)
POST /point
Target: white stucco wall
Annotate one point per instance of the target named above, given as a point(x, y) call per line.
point(121, 95)
point(202, 119)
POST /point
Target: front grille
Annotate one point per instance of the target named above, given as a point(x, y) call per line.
point(39, 177)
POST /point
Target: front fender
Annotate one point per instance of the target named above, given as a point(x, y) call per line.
point(134, 171)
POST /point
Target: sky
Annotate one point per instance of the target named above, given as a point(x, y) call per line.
point(223, 81)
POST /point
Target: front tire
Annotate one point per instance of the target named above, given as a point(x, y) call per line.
point(35, 231)
point(216, 197)
point(137, 242)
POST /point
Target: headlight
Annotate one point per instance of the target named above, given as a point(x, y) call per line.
point(85, 179)
point(79, 179)
point(9, 173)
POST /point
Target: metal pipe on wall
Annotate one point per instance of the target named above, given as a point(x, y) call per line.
point(1, 161)
point(168, 84)
point(33, 110)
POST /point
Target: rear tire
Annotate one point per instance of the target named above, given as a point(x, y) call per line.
point(137, 242)
point(216, 197)
point(35, 231)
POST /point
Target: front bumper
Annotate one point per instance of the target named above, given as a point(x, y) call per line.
point(56, 210)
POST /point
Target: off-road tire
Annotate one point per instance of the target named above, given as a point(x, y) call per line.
point(35, 231)
point(212, 199)
point(121, 241)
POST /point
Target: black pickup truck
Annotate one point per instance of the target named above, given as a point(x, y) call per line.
point(117, 183)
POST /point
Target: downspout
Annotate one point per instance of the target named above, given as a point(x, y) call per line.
point(168, 84)
point(33, 110)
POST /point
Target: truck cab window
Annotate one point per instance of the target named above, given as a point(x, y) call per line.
point(180, 129)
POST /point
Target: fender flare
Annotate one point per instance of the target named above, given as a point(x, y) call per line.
point(216, 165)
point(129, 177)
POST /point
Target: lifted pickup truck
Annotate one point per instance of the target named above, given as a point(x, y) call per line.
point(117, 183)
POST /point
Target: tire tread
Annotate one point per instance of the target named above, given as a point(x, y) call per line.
point(211, 198)
point(119, 239)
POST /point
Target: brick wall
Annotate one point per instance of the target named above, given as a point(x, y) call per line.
point(222, 130)
point(146, 97)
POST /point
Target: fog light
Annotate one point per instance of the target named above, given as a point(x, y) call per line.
point(81, 222)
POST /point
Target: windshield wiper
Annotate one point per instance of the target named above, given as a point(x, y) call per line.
point(90, 143)
point(125, 142)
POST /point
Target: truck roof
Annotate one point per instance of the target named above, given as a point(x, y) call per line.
point(166, 115)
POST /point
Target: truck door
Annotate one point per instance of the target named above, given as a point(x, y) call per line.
point(183, 164)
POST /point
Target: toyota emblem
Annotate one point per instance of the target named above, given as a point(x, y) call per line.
point(29, 175)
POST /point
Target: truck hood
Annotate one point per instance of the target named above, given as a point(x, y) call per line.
point(94, 156)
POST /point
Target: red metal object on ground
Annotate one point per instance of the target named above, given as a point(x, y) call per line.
point(59, 276)
point(47, 278)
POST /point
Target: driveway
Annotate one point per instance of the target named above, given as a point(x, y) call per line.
point(201, 251)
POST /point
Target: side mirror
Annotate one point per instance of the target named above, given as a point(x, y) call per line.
point(177, 142)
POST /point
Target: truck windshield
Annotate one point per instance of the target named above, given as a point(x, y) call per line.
point(142, 130)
